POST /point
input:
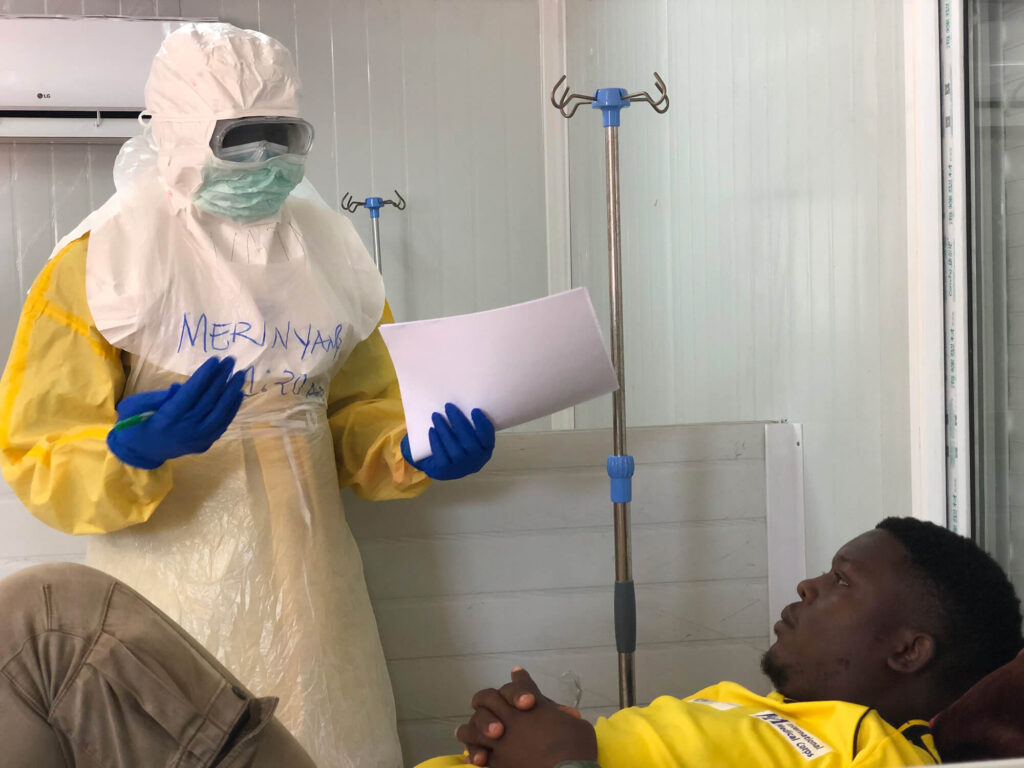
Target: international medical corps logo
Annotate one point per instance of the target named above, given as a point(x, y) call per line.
point(803, 742)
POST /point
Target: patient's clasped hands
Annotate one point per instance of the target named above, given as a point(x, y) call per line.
point(516, 726)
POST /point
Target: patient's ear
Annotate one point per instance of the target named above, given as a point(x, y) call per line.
point(914, 650)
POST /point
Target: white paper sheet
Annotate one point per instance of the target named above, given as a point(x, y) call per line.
point(515, 363)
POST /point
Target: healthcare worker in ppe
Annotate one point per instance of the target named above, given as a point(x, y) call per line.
point(228, 322)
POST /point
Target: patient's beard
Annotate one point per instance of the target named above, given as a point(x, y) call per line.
point(773, 670)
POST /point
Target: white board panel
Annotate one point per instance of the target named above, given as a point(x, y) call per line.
point(578, 557)
point(701, 491)
point(508, 622)
point(784, 484)
point(443, 687)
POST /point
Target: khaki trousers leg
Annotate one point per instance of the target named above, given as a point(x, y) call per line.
point(94, 676)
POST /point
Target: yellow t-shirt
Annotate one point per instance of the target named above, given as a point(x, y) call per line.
point(727, 725)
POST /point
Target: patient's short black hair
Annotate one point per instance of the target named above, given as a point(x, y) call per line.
point(968, 595)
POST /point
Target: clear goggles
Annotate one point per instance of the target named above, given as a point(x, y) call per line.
point(256, 139)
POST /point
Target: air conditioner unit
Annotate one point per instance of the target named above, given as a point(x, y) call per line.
point(76, 78)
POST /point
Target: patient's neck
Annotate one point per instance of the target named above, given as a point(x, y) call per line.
point(914, 700)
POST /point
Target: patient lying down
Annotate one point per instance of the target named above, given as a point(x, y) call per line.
point(908, 618)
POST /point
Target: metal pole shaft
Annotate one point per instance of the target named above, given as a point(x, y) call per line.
point(623, 559)
point(376, 242)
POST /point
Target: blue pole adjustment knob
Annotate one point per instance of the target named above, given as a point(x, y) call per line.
point(620, 471)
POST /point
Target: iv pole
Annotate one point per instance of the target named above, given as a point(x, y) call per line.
point(611, 101)
point(373, 205)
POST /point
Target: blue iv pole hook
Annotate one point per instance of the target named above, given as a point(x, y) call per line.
point(611, 102)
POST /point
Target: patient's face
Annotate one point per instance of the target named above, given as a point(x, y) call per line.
point(834, 642)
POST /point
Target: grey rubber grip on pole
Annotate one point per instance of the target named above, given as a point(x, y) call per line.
point(625, 617)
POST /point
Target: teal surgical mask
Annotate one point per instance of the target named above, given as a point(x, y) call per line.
point(247, 191)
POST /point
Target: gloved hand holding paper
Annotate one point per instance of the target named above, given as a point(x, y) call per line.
point(515, 363)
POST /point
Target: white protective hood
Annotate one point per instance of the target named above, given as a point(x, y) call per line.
point(153, 256)
point(203, 74)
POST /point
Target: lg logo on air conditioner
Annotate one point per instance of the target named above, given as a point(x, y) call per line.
point(42, 95)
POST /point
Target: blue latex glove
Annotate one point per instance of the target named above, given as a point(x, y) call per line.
point(186, 418)
point(141, 402)
point(457, 448)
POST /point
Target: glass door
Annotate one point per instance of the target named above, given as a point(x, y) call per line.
point(995, 115)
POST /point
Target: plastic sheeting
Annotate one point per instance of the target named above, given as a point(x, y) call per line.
point(251, 553)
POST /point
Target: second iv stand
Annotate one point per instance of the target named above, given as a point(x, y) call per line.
point(373, 205)
point(611, 101)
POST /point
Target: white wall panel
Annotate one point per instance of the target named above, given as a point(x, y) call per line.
point(101, 181)
point(764, 234)
point(279, 20)
point(139, 7)
point(11, 565)
point(702, 491)
point(25, 537)
point(241, 13)
point(418, 252)
point(20, 6)
point(568, 618)
point(351, 87)
point(315, 58)
point(100, 7)
point(33, 210)
point(666, 552)
point(405, 114)
point(472, 148)
point(165, 8)
point(71, 189)
point(11, 296)
point(71, 7)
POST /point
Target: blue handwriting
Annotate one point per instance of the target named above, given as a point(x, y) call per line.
point(286, 383)
point(221, 337)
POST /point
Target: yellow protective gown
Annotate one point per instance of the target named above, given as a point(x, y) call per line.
point(245, 545)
